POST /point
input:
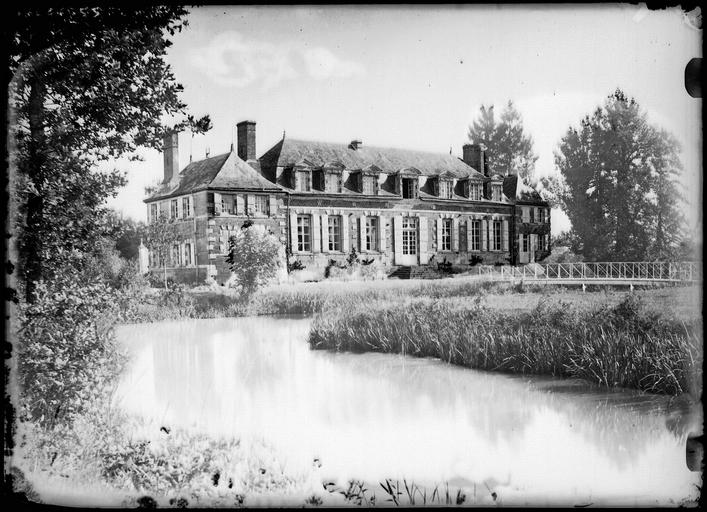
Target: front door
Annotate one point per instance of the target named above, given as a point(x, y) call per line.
point(410, 241)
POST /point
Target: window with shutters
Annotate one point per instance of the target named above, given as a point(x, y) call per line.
point(409, 233)
point(334, 228)
point(303, 181)
point(332, 183)
point(371, 233)
point(525, 214)
point(173, 209)
point(496, 234)
point(187, 254)
point(446, 242)
point(186, 207)
point(261, 205)
point(304, 233)
point(369, 185)
point(475, 235)
point(153, 212)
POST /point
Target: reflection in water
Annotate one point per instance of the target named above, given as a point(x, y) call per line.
point(374, 416)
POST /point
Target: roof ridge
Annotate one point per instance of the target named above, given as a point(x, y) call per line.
point(345, 146)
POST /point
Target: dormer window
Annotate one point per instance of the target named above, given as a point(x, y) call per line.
point(369, 185)
point(407, 183)
point(409, 188)
point(303, 181)
point(445, 189)
point(496, 193)
point(332, 182)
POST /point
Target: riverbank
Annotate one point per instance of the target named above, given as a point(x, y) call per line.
point(635, 343)
point(312, 298)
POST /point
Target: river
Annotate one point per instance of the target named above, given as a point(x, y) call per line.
point(374, 416)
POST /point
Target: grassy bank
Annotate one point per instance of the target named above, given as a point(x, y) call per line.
point(311, 298)
point(629, 344)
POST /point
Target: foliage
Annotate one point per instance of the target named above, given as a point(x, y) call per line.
point(90, 84)
point(626, 345)
point(161, 235)
point(126, 234)
point(67, 354)
point(509, 148)
point(619, 185)
point(254, 258)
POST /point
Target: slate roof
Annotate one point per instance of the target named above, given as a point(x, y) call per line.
point(216, 172)
point(290, 152)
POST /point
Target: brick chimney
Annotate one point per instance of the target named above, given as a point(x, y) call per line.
point(355, 144)
point(474, 155)
point(246, 140)
point(170, 149)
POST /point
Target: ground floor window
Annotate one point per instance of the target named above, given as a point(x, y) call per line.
point(304, 233)
point(409, 235)
point(524, 242)
point(187, 254)
point(475, 235)
point(334, 233)
point(496, 235)
point(446, 242)
point(175, 256)
point(371, 234)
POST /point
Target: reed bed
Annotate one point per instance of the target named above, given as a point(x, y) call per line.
point(625, 345)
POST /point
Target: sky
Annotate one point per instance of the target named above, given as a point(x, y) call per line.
point(415, 76)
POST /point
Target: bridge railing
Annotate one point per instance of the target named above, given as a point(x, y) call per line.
point(634, 270)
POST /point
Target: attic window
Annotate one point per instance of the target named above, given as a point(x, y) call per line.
point(409, 188)
point(332, 182)
point(368, 185)
point(496, 192)
point(445, 189)
point(303, 181)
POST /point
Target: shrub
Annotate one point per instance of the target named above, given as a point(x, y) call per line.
point(67, 351)
point(254, 258)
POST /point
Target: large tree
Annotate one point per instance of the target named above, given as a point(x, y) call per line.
point(509, 148)
point(620, 188)
point(88, 85)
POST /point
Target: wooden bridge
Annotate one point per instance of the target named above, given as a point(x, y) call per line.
point(608, 273)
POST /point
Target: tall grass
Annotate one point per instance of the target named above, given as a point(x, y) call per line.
point(627, 345)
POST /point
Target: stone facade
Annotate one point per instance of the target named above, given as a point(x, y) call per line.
point(323, 201)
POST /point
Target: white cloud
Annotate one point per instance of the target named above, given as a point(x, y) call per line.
point(231, 60)
point(322, 64)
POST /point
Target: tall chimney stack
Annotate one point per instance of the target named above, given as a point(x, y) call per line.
point(474, 155)
point(171, 156)
point(246, 140)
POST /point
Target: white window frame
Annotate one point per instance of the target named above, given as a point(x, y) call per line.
point(371, 234)
point(445, 244)
point(303, 181)
point(371, 189)
point(186, 207)
point(497, 234)
point(332, 182)
point(304, 233)
point(261, 205)
point(475, 235)
point(334, 228)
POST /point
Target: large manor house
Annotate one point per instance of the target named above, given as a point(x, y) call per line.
point(324, 200)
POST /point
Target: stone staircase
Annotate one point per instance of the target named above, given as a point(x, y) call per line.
point(416, 272)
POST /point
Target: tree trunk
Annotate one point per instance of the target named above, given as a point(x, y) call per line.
point(31, 250)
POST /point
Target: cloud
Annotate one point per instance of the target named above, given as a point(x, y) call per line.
point(322, 64)
point(231, 60)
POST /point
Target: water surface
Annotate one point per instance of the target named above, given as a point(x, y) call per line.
point(377, 416)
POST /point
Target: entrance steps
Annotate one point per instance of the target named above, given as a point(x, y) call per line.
point(416, 272)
